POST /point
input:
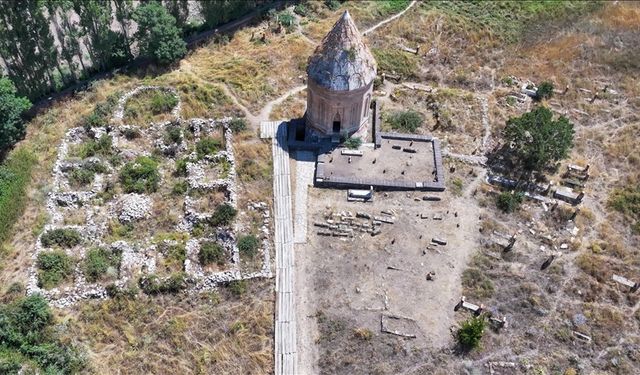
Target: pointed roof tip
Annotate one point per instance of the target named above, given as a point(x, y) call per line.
point(342, 61)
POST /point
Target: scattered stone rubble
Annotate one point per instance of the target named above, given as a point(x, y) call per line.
point(140, 258)
point(346, 224)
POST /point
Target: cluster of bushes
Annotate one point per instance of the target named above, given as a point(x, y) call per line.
point(248, 245)
point(100, 262)
point(62, 237)
point(12, 128)
point(84, 174)
point(153, 285)
point(207, 146)
point(173, 134)
point(103, 146)
point(211, 252)
point(223, 215)
point(54, 267)
point(238, 125)
point(470, 334)
point(15, 174)
point(140, 176)
point(509, 202)
point(408, 121)
point(102, 112)
point(29, 342)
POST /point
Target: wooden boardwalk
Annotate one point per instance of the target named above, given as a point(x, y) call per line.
point(285, 322)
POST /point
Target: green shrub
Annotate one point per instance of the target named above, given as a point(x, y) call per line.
point(470, 334)
point(100, 261)
point(545, 91)
point(28, 337)
point(248, 245)
point(140, 176)
point(100, 115)
point(152, 284)
point(238, 287)
point(173, 135)
point(408, 121)
point(15, 175)
point(81, 177)
point(53, 268)
point(103, 146)
point(211, 252)
point(180, 188)
point(301, 10)
point(238, 125)
point(176, 255)
point(131, 133)
point(207, 146)
point(353, 142)
point(223, 215)
point(162, 102)
point(332, 4)
point(181, 167)
point(64, 237)
point(509, 202)
point(627, 201)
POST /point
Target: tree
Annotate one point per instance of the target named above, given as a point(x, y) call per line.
point(158, 35)
point(538, 140)
point(12, 127)
point(509, 202)
point(217, 12)
point(545, 91)
point(470, 334)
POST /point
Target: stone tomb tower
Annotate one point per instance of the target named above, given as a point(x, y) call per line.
point(340, 82)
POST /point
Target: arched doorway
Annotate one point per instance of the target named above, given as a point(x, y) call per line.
point(336, 123)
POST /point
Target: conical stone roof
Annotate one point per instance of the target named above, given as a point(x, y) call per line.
point(342, 61)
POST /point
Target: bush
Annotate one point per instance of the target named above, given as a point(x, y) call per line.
point(28, 337)
point(15, 175)
point(173, 135)
point(181, 167)
point(248, 245)
point(103, 146)
point(509, 202)
point(140, 176)
point(470, 334)
point(54, 267)
point(332, 4)
point(545, 91)
point(238, 125)
point(627, 202)
point(162, 102)
point(100, 261)
point(81, 177)
point(238, 287)
point(64, 237)
point(211, 252)
point(158, 36)
point(101, 113)
point(207, 146)
point(353, 142)
point(131, 133)
point(301, 10)
point(223, 215)
point(180, 188)
point(152, 285)
point(408, 121)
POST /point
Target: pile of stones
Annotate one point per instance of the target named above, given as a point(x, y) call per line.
point(346, 224)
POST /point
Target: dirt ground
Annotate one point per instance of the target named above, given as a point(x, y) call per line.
point(356, 280)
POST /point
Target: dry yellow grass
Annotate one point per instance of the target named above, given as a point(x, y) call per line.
point(209, 333)
point(255, 72)
point(292, 107)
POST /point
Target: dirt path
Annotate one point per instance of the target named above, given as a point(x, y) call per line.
point(386, 21)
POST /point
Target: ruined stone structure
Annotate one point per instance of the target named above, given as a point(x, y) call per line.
point(340, 82)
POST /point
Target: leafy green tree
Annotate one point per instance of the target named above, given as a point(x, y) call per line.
point(538, 140)
point(12, 127)
point(157, 34)
point(470, 334)
point(217, 12)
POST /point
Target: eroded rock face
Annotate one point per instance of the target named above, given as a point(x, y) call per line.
point(134, 207)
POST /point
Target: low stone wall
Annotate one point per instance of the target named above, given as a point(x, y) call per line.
point(139, 257)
